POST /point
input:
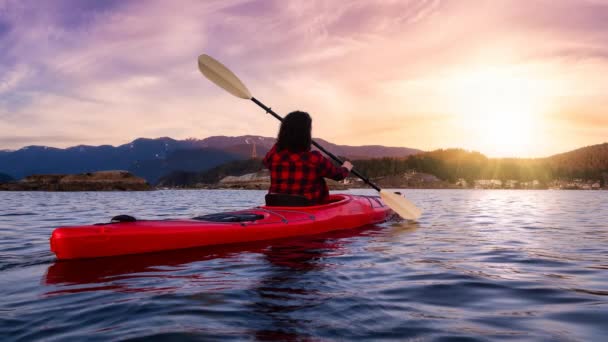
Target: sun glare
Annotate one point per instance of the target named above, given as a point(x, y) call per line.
point(500, 109)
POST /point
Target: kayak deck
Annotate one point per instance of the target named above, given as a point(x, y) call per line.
point(91, 241)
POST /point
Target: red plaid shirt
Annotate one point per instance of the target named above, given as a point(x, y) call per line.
point(301, 173)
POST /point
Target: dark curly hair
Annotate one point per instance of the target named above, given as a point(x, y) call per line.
point(295, 132)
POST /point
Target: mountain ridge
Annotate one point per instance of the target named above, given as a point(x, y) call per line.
point(154, 159)
point(159, 155)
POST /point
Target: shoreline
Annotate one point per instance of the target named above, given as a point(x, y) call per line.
point(4, 188)
point(113, 180)
point(357, 188)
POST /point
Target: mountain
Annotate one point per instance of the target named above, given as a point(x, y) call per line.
point(193, 160)
point(367, 151)
point(4, 178)
point(223, 142)
point(211, 176)
point(152, 158)
point(78, 159)
point(243, 145)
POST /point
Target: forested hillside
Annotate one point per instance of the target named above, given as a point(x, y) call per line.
point(589, 163)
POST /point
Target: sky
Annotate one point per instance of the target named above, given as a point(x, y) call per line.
point(507, 78)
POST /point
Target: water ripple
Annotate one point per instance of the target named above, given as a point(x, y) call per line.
point(479, 265)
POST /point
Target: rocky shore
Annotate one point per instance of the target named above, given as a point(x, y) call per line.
point(91, 181)
point(256, 181)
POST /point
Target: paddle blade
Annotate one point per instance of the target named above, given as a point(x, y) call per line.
point(400, 205)
point(217, 73)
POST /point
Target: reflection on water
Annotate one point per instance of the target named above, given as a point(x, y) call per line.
point(486, 265)
point(114, 273)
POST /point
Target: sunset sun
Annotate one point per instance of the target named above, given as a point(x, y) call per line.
point(501, 109)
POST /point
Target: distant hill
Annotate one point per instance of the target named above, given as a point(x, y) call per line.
point(4, 178)
point(148, 158)
point(243, 145)
point(587, 162)
point(78, 159)
point(152, 158)
point(170, 160)
point(193, 160)
point(211, 176)
point(367, 151)
point(223, 142)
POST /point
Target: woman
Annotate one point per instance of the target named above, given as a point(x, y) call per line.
point(294, 168)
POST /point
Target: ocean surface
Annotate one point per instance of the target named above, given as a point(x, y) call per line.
point(479, 265)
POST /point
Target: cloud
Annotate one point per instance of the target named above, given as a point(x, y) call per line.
point(113, 70)
point(13, 78)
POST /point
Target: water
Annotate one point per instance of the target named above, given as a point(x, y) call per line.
point(479, 265)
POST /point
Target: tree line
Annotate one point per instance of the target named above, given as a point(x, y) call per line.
point(453, 164)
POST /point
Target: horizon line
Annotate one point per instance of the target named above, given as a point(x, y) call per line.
point(252, 135)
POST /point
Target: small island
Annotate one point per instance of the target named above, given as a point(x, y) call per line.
point(90, 181)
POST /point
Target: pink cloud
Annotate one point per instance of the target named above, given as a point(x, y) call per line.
point(130, 66)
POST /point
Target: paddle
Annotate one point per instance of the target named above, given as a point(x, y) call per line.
point(217, 73)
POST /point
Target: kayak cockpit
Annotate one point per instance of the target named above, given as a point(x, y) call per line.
point(286, 202)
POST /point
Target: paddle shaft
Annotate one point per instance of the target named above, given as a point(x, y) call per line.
point(321, 148)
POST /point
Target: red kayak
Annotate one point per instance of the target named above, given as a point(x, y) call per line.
point(260, 223)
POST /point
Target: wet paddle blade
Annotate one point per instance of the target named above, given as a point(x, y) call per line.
point(217, 73)
point(400, 205)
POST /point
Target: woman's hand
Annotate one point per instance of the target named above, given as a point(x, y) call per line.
point(347, 165)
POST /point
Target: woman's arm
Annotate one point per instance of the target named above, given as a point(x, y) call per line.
point(328, 170)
